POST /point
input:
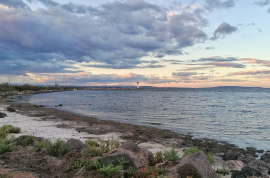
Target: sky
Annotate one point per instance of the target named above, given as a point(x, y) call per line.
point(161, 43)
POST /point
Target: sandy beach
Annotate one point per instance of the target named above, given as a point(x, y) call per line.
point(53, 124)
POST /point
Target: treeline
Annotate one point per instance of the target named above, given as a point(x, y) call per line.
point(5, 87)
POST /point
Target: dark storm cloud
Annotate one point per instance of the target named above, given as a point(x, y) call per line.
point(115, 34)
point(223, 29)
point(14, 3)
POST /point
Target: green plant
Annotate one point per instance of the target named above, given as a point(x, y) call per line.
point(9, 129)
point(170, 155)
point(57, 148)
point(109, 145)
point(108, 169)
point(93, 165)
point(151, 172)
point(41, 144)
point(158, 158)
point(76, 164)
point(224, 171)
point(191, 151)
point(210, 158)
point(132, 172)
point(95, 149)
point(5, 145)
point(27, 140)
point(91, 143)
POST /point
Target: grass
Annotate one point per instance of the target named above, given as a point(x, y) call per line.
point(171, 155)
point(109, 170)
point(6, 129)
point(195, 150)
point(93, 148)
point(27, 140)
point(57, 148)
point(191, 151)
point(5, 145)
point(167, 155)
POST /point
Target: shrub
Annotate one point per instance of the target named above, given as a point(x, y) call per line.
point(57, 148)
point(95, 149)
point(41, 144)
point(91, 143)
point(170, 155)
point(5, 145)
point(10, 129)
point(210, 158)
point(109, 145)
point(94, 165)
point(195, 150)
point(158, 157)
point(191, 151)
point(108, 169)
point(150, 172)
point(27, 140)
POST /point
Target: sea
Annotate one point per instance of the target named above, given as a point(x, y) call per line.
point(239, 116)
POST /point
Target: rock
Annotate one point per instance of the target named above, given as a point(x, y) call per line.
point(251, 172)
point(149, 156)
point(236, 165)
point(10, 109)
point(230, 156)
point(238, 174)
point(2, 115)
point(120, 155)
point(60, 105)
point(196, 165)
point(75, 144)
point(266, 157)
point(130, 146)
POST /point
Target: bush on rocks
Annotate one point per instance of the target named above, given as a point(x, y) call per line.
point(57, 148)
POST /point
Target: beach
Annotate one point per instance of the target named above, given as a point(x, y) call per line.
point(54, 124)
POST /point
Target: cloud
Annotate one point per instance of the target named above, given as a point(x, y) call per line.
point(14, 3)
point(250, 72)
point(183, 74)
point(256, 61)
point(208, 48)
point(117, 34)
point(225, 64)
point(216, 59)
point(218, 4)
point(223, 29)
point(263, 3)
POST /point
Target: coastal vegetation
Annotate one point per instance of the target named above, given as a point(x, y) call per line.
point(5, 88)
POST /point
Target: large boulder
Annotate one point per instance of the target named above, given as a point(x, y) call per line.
point(10, 109)
point(266, 157)
point(117, 156)
point(196, 165)
point(75, 144)
point(2, 115)
point(230, 156)
point(139, 159)
point(130, 146)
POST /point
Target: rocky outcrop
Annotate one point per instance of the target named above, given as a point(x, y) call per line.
point(10, 109)
point(120, 155)
point(230, 156)
point(246, 172)
point(75, 144)
point(2, 115)
point(195, 165)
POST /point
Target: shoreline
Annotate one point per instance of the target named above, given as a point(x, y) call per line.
point(144, 136)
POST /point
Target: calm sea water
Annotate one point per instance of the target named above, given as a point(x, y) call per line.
point(239, 116)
